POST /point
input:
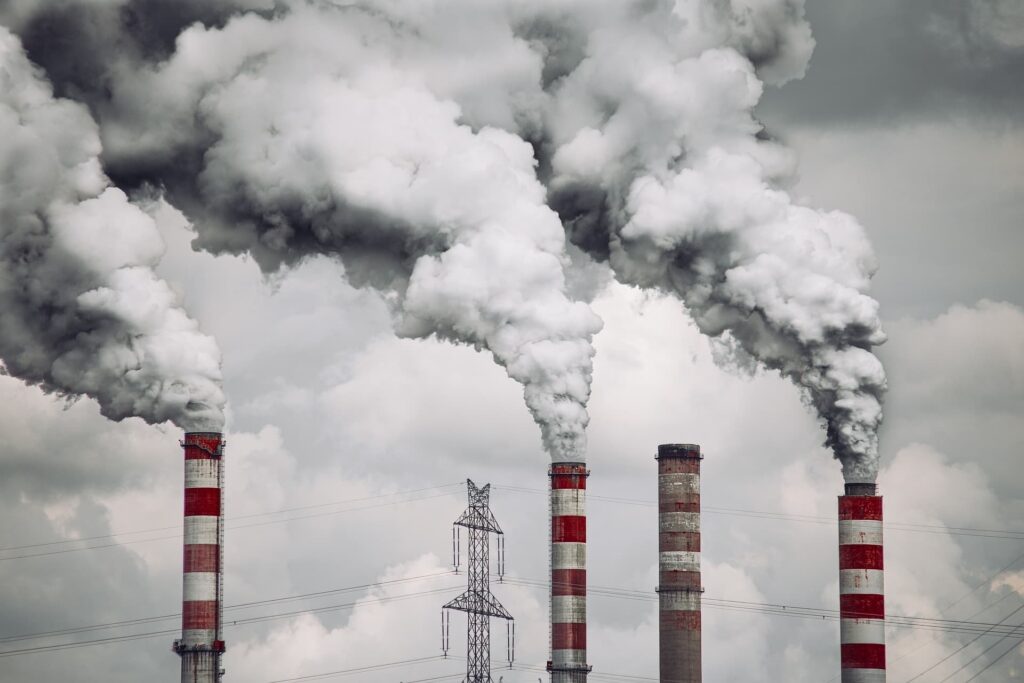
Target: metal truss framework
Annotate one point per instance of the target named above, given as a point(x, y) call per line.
point(477, 602)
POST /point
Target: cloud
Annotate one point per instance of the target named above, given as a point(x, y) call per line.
point(978, 350)
point(387, 624)
point(933, 574)
point(959, 382)
point(910, 61)
point(891, 177)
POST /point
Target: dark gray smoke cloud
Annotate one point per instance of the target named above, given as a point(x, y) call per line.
point(83, 311)
point(394, 135)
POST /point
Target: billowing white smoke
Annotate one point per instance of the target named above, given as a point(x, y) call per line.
point(659, 164)
point(393, 134)
point(323, 131)
point(82, 311)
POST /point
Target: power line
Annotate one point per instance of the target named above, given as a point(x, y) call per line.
point(1002, 534)
point(976, 658)
point(793, 611)
point(443, 677)
point(771, 609)
point(232, 518)
point(232, 623)
point(995, 661)
point(593, 675)
point(360, 669)
point(347, 672)
point(983, 652)
point(964, 647)
point(232, 528)
point(239, 606)
point(986, 581)
point(1006, 534)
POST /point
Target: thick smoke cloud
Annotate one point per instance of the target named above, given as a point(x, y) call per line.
point(83, 311)
point(333, 130)
point(402, 137)
point(658, 165)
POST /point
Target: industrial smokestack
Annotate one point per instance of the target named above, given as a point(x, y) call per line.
point(568, 663)
point(679, 589)
point(201, 643)
point(861, 585)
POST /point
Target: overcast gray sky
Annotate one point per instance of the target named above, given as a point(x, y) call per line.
point(909, 118)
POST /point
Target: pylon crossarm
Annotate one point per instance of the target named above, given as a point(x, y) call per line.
point(475, 603)
point(495, 608)
point(481, 524)
point(484, 520)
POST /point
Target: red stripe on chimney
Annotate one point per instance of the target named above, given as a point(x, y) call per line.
point(856, 606)
point(568, 636)
point(568, 582)
point(569, 529)
point(202, 502)
point(860, 557)
point(863, 656)
point(860, 507)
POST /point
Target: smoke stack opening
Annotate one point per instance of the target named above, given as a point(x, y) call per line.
point(678, 450)
point(861, 489)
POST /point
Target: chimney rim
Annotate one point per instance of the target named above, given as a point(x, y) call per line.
point(688, 451)
point(860, 488)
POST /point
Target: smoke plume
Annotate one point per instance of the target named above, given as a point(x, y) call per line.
point(333, 130)
point(658, 165)
point(427, 145)
point(83, 311)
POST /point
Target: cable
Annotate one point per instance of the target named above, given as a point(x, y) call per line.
point(757, 514)
point(772, 609)
point(994, 661)
point(444, 677)
point(593, 675)
point(360, 670)
point(975, 658)
point(794, 611)
point(986, 581)
point(235, 517)
point(233, 623)
point(963, 647)
point(1006, 534)
point(244, 605)
point(231, 528)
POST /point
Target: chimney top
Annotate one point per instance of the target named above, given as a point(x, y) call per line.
point(861, 489)
point(678, 450)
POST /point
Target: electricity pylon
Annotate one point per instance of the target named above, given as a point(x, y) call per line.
point(477, 602)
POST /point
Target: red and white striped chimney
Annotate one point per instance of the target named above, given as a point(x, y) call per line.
point(201, 642)
point(861, 585)
point(568, 663)
point(679, 589)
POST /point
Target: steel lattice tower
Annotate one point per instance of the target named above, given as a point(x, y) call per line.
point(477, 602)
